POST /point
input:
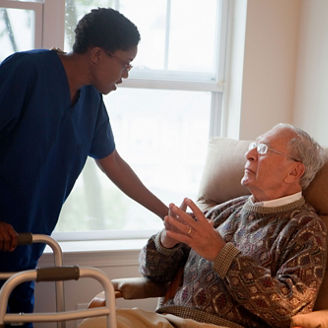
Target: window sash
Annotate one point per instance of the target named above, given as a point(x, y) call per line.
point(37, 7)
point(48, 13)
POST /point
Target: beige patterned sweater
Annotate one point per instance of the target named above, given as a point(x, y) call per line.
point(269, 270)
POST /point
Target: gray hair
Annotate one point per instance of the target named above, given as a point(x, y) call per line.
point(305, 149)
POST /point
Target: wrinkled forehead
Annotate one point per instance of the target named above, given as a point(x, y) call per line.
point(277, 137)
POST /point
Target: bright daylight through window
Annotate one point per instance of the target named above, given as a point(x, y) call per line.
point(162, 116)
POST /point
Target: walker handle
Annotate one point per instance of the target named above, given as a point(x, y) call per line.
point(58, 273)
point(25, 238)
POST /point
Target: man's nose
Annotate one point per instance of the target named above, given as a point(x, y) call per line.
point(251, 154)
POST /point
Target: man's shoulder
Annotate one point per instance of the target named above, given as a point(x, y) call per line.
point(307, 214)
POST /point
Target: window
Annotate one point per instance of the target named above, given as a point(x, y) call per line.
point(29, 24)
point(15, 18)
point(162, 116)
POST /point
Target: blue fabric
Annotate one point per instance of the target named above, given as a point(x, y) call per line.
point(44, 143)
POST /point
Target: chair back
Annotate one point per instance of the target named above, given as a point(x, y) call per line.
point(221, 178)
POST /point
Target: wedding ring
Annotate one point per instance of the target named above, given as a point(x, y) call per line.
point(189, 231)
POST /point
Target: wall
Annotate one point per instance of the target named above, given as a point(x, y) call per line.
point(311, 96)
point(268, 68)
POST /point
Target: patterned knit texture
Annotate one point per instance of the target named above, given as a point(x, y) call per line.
point(270, 269)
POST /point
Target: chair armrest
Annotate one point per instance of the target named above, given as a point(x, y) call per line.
point(311, 320)
point(138, 287)
point(131, 288)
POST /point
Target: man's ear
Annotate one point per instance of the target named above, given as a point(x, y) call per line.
point(95, 54)
point(295, 173)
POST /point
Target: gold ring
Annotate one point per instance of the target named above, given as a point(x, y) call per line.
point(189, 231)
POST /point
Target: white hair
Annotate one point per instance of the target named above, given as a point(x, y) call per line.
point(305, 149)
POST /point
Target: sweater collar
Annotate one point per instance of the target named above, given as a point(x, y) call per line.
point(249, 206)
point(279, 201)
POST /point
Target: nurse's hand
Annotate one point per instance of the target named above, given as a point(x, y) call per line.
point(8, 237)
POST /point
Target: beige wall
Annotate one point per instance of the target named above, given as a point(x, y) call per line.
point(311, 95)
point(269, 65)
point(262, 67)
point(284, 71)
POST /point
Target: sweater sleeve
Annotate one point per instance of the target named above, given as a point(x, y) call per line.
point(161, 264)
point(276, 294)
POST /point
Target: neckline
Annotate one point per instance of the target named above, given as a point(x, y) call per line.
point(58, 52)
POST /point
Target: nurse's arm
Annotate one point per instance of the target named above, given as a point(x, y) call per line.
point(125, 178)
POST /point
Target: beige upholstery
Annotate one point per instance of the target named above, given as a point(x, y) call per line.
point(134, 288)
point(222, 172)
point(221, 181)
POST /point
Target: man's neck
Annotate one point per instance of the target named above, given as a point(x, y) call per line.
point(279, 201)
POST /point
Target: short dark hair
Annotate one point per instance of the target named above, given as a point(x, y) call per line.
point(105, 28)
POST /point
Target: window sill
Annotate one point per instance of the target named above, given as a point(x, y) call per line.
point(92, 246)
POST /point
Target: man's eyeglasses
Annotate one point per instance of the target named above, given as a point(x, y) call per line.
point(263, 148)
point(125, 66)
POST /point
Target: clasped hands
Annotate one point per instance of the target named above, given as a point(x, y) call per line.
point(193, 230)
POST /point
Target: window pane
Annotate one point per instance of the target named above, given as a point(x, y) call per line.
point(12, 23)
point(179, 37)
point(163, 136)
point(151, 24)
point(192, 35)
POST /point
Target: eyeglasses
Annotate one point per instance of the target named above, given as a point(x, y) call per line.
point(263, 148)
point(125, 66)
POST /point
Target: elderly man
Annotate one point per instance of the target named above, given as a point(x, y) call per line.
point(254, 261)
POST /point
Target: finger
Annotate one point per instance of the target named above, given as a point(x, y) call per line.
point(190, 218)
point(183, 205)
point(14, 240)
point(177, 226)
point(166, 221)
point(195, 209)
point(181, 238)
point(4, 241)
point(171, 211)
point(182, 216)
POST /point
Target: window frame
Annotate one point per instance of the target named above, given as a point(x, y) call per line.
point(47, 13)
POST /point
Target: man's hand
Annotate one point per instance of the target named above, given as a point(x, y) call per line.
point(8, 237)
point(167, 241)
point(198, 232)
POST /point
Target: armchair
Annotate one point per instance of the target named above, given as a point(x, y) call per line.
point(220, 182)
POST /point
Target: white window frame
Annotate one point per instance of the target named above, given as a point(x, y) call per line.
point(191, 81)
point(48, 13)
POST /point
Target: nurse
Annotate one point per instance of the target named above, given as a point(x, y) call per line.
point(52, 117)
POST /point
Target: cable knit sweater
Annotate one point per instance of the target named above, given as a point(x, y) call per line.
point(270, 268)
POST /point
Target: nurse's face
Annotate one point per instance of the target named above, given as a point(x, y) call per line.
point(111, 68)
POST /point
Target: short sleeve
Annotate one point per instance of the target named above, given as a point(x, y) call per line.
point(103, 143)
point(16, 79)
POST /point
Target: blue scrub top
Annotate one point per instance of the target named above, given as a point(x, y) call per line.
point(44, 143)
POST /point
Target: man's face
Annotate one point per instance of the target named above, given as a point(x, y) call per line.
point(111, 68)
point(267, 175)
